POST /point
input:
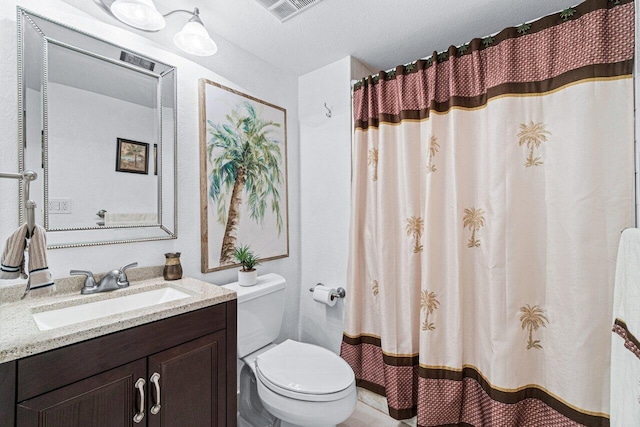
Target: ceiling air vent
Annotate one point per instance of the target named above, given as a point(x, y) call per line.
point(287, 9)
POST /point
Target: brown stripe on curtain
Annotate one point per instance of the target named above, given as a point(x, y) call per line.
point(446, 376)
point(574, 50)
point(595, 71)
point(631, 343)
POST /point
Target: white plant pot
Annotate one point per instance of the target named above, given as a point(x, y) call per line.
point(247, 278)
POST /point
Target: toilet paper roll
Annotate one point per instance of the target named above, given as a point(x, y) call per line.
point(323, 293)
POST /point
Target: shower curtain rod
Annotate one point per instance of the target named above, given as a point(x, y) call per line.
point(353, 82)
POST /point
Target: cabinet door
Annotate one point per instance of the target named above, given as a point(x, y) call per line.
point(192, 384)
point(109, 399)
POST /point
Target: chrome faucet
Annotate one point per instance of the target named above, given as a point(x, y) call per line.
point(115, 279)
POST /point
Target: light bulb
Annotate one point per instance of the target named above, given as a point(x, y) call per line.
point(194, 39)
point(140, 14)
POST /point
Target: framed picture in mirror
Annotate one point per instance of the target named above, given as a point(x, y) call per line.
point(132, 156)
point(155, 159)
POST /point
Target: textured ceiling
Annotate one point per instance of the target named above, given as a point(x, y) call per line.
point(381, 33)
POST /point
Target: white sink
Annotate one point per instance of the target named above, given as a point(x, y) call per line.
point(66, 316)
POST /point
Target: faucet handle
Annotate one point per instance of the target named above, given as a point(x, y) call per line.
point(123, 281)
point(89, 281)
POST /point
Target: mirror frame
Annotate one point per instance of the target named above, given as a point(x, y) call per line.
point(24, 14)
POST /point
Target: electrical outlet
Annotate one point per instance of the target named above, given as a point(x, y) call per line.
point(59, 206)
point(65, 206)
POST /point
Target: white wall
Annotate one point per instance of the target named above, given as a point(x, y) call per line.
point(325, 162)
point(244, 72)
point(82, 155)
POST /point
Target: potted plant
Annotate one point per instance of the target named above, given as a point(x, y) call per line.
point(247, 275)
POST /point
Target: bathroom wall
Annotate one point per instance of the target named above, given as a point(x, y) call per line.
point(73, 135)
point(325, 182)
point(232, 67)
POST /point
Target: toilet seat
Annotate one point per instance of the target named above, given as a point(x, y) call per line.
point(305, 372)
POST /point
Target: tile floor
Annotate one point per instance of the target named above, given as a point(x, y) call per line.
point(366, 416)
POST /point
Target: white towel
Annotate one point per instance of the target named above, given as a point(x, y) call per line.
point(625, 347)
point(111, 219)
point(12, 263)
point(40, 281)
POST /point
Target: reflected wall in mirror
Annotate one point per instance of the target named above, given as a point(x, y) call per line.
point(81, 97)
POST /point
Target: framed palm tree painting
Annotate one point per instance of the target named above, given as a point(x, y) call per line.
point(243, 176)
point(132, 156)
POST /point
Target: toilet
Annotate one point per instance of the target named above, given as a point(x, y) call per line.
point(298, 384)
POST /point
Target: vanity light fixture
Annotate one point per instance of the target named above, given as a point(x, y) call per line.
point(143, 15)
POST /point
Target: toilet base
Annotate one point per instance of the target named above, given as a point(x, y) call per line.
point(251, 412)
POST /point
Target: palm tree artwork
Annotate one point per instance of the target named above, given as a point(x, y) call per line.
point(532, 135)
point(134, 151)
point(433, 149)
point(415, 228)
point(473, 220)
point(245, 160)
point(532, 318)
point(428, 303)
point(372, 160)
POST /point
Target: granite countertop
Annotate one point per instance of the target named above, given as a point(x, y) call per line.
point(21, 337)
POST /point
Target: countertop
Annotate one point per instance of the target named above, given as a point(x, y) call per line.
point(21, 337)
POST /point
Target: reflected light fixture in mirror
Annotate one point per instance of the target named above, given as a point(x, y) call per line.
point(143, 15)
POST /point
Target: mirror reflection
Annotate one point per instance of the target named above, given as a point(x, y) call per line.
point(99, 126)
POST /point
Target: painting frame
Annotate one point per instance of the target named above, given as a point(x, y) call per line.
point(267, 236)
point(155, 159)
point(123, 164)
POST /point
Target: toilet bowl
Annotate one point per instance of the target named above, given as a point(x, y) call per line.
point(301, 384)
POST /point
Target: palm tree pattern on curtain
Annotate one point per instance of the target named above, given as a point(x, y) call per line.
point(473, 220)
point(428, 303)
point(373, 161)
point(415, 228)
point(532, 135)
point(532, 318)
point(248, 167)
point(433, 149)
point(450, 337)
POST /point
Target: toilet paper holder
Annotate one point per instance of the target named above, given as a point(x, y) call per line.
point(339, 293)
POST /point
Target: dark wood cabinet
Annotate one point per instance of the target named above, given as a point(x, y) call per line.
point(187, 364)
point(109, 399)
point(190, 377)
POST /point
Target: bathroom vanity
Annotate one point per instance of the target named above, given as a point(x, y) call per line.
point(171, 364)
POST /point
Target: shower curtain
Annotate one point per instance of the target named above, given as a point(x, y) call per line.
point(490, 186)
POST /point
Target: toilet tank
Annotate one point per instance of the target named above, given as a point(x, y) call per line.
point(260, 311)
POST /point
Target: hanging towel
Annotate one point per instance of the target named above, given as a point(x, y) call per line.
point(40, 281)
point(12, 263)
point(625, 344)
point(111, 219)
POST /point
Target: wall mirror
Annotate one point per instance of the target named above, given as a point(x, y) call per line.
point(98, 126)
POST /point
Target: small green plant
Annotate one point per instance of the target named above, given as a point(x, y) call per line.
point(245, 256)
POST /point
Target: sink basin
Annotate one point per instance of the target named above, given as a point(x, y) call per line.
point(66, 316)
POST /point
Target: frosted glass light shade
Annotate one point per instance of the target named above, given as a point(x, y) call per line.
point(140, 14)
point(194, 39)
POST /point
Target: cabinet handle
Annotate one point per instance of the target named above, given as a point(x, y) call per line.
point(140, 415)
point(155, 379)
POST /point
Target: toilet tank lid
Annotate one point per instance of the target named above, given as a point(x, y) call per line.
point(266, 284)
